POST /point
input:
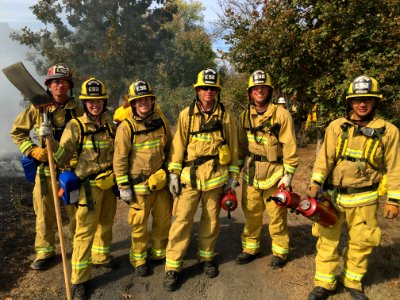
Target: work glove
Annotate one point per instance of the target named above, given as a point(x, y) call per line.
point(39, 154)
point(286, 180)
point(390, 211)
point(45, 129)
point(126, 195)
point(314, 191)
point(174, 185)
point(231, 184)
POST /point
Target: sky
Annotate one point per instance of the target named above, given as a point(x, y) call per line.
point(15, 14)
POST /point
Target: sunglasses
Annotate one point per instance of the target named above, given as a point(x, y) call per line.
point(206, 88)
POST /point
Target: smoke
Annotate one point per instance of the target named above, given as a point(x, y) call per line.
point(11, 99)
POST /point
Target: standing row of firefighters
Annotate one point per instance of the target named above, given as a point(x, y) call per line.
point(169, 176)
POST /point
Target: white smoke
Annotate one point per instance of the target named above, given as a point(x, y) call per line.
point(11, 99)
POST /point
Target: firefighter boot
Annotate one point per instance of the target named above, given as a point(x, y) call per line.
point(277, 262)
point(245, 258)
point(356, 294)
point(42, 264)
point(210, 269)
point(319, 293)
point(80, 291)
point(171, 280)
point(142, 270)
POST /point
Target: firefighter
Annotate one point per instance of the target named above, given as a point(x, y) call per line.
point(358, 149)
point(141, 147)
point(203, 160)
point(59, 83)
point(282, 101)
point(92, 138)
point(268, 156)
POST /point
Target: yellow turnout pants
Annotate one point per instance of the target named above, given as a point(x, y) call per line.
point(159, 203)
point(184, 209)
point(253, 205)
point(364, 235)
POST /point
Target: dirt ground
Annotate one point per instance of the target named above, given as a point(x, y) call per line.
point(253, 281)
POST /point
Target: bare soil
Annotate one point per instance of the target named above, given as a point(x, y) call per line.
point(255, 280)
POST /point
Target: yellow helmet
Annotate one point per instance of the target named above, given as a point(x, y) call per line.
point(93, 89)
point(140, 89)
point(259, 78)
point(208, 77)
point(364, 86)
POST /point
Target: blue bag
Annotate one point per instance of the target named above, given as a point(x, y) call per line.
point(69, 187)
point(29, 164)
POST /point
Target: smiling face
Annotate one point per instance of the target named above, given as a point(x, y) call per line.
point(94, 106)
point(207, 94)
point(143, 106)
point(363, 107)
point(259, 94)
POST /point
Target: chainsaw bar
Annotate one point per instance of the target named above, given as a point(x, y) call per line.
point(27, 85)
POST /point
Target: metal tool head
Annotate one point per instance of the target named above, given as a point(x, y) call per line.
point(27, 85)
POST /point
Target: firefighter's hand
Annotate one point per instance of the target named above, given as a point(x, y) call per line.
point(314, 191)
point(174, 185)
point(231, 184)
point(39, 154)
point(126, 195)
point(390, 211)
point(45, 129)
point(286, 180)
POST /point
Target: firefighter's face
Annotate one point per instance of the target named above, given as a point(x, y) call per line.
point(259, 94)
point(363, 107)
point(207, 93)
point(94, 106)
point(59, 89)
point(144, 106)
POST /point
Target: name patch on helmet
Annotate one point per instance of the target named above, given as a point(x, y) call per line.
point(141, 88)
point(93, 88)
point(61, 70)
point(362, 85)
point(259, 77)
point(210, 76)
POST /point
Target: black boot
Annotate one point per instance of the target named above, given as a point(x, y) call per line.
point(277, 262)
point(357, 294)
point(319, 293)
point(80, 291)
point(245, 258)
point(142, 270)
point(210, 269)
point(171, 280)
point(42, 264)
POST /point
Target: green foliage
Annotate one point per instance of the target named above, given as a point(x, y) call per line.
point(314, 49)
point(121, 41)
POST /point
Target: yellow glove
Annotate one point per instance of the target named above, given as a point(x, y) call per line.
point(314, 191)
point(39, 154)
point(390, 211)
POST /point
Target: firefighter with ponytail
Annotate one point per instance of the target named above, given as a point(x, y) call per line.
point(141, 148)
point(357, 151)
point(91, 139)
point(268, 156)
point(59, 83)
point(202, 164)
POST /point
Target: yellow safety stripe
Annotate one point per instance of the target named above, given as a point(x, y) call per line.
point(353, 153)
point(264, 184)
point(158, 252)
point(205, 254)
point(260, 140)
point(233, 169)
point(122, 179)
point(276, 249)
point(352, 276)
point(357, 199)
point(147, 145)
point(329, 278)
point(394, 194)
point(204, 137)
point(41, 250)
point(82, 264)
point(208, 184)
point(174, 166)
point(25, 146)
point(318, 177)
point(138, 256)
point(289, 168)
point(374, 144)
point(92, 182)
point(100, 249)
point(99, 144)
point(59, 153)
point(250, 245)
point(141, 189)
point(173, 263)
point(46, 171)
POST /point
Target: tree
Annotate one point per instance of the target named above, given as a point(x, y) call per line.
point(118, 41)
point(313, 49)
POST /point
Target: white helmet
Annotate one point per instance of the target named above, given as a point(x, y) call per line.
point(281, 100)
